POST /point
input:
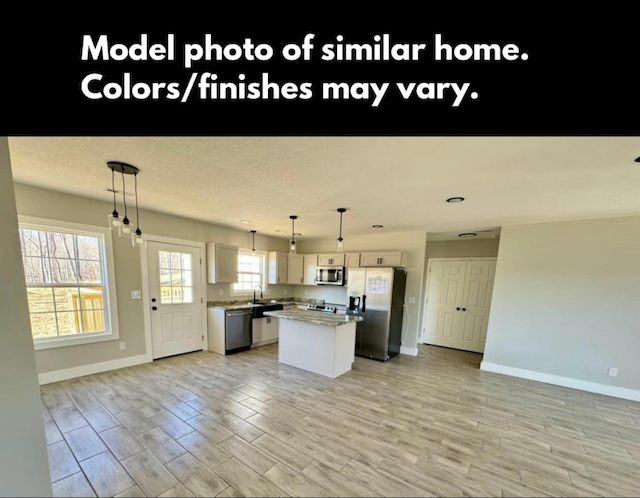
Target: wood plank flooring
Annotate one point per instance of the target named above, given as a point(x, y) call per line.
point(243, 425)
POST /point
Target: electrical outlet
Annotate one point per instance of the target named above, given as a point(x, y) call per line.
point(123, 346)
point(613, 372)
point(136, 294)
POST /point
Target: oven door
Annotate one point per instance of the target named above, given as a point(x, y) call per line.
point(330, 275)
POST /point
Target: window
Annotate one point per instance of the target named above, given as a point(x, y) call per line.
point(176, 277)
point(251, 271)
point(68, 270)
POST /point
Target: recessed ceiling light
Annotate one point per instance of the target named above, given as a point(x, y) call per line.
point(467, 235)
point(246, 222)
point(376, 226)
point(455, 199)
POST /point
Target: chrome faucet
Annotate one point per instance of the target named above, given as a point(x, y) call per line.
point(254, 292)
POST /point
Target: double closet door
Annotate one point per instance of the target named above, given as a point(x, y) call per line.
point(458, 302)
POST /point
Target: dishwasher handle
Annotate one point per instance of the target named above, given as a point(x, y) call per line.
point(238, 313)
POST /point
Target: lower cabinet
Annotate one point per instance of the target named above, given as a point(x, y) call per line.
point(264, 330)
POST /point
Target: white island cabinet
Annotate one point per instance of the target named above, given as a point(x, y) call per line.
point(317, 342)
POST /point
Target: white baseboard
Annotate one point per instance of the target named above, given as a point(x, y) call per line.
point(264, 343)
point(592, 387)
point(409, 351)
point(105, 366)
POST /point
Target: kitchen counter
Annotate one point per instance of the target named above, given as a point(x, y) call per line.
point(315, 317)
point(322, 343)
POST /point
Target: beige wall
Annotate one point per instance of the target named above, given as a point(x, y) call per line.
point(43, 203)
point(565, 301)
point(478, 248)
point(24, 467)
point(412, 242)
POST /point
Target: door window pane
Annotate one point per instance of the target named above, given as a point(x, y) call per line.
point(176, 277)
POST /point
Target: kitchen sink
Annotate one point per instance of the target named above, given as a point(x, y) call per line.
point(259, 308)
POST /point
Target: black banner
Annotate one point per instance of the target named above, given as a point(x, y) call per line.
point(534, 73)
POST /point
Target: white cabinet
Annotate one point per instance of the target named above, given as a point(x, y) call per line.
point(336, 259)
point(310, 265)
point(264, 331)
point(385, 258)
point(295, 270)
point(352, 260)
point(222, 263)
point(216, 330)
point(278, 262)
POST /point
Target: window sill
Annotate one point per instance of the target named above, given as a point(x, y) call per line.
point(40, 344)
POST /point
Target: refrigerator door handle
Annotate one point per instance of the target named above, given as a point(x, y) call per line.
point(364, 303)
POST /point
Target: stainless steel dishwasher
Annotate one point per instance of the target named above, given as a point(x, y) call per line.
point(237, 330)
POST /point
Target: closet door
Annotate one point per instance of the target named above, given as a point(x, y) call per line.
point(458, 302)
point(476, 302)
point(444, 295)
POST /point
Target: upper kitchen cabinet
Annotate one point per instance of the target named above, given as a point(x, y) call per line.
point(386, 258)
point(222, 263)
point(278, 263)
point(310, 265)
point(336, 259)
point(352, 260)
point(295, 271)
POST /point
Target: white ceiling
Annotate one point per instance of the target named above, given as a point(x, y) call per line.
point(398, 182)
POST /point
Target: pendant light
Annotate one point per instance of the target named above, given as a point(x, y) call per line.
point(292, 247)
point(138, 234)
point(339, 246)
point(124, 225)
point(253, 242)
point(114, 217)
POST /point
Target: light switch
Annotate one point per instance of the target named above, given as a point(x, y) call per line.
point(136, 295)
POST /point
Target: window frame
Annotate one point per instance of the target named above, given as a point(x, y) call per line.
point(112, 330)
point(263, 271)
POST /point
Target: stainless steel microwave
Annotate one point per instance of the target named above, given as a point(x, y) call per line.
point(330, 275)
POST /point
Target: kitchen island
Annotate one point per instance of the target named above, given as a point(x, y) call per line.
point(317, 342)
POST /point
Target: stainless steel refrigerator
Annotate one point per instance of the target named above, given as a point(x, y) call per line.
point(377, 294)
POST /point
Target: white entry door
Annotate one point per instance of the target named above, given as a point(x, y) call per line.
point(175, 298)
point(458, 303)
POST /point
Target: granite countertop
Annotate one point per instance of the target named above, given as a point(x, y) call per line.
point(246, 303)
point(315, 317)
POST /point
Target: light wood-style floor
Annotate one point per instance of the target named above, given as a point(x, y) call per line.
point(432, 425)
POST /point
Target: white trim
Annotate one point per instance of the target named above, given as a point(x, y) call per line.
point(105, 366)
point(144, 258)
point(592, 387)
point(409, 351)
point(106, 250)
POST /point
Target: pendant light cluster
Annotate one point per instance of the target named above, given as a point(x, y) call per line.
point(123, 225)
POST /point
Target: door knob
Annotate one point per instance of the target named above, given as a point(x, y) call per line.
point(153, 300)
point(154, 308)
point(464, 309)
point(457, 309)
